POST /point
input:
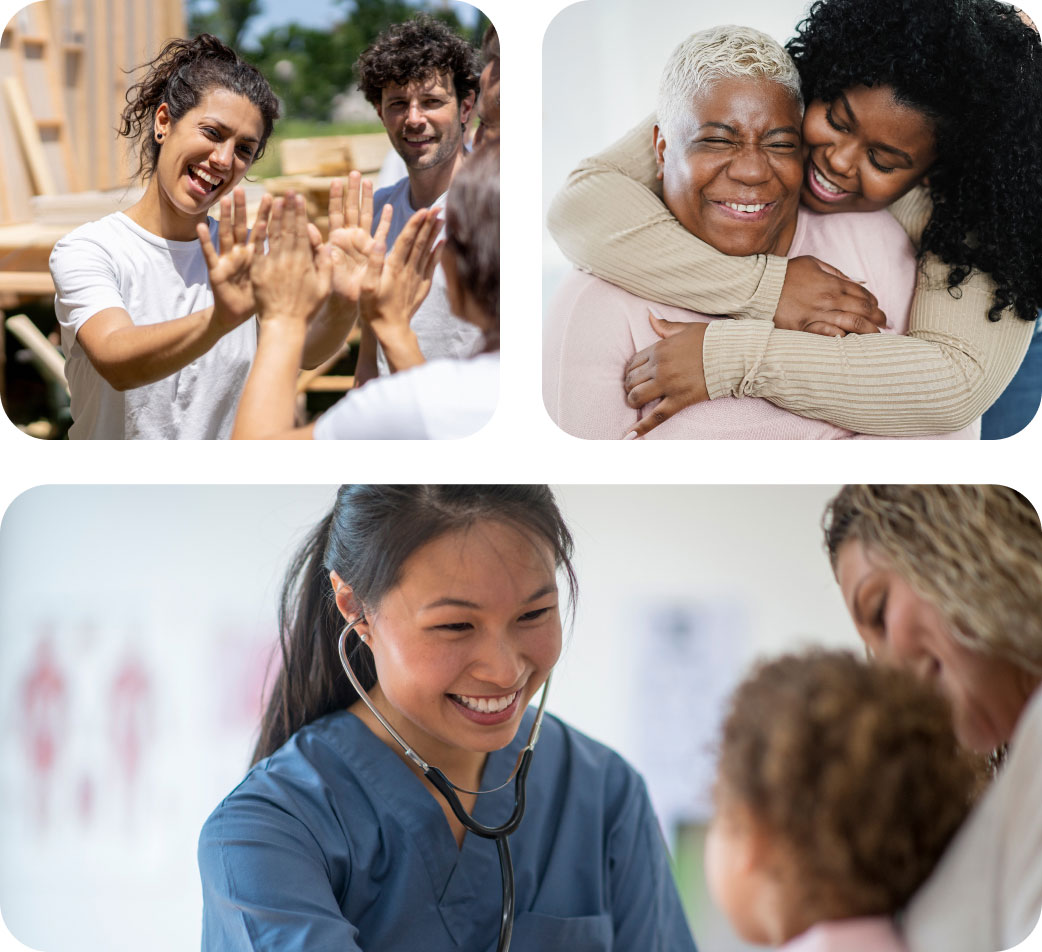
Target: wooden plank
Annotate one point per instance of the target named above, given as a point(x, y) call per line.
point(29, 137)
point(333, 155)
point(26, 282)
point(46, 357)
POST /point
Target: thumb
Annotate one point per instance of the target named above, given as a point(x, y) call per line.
point(665, 328)
point(829, 269)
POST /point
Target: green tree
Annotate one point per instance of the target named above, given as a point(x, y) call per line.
point(308, 67)
point(226, 19)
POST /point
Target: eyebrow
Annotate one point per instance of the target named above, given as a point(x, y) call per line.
point(882, 146)
point(780, 130)
point(464, 603)
point(217, 122)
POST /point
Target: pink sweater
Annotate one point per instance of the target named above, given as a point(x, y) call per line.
point(848, 935)
point(593, 328)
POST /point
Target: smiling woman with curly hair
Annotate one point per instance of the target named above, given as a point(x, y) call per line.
point(930, 108)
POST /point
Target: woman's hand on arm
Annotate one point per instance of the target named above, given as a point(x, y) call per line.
point(290, 283)
point(396, 283)
point(821, 299)
point(669, 371)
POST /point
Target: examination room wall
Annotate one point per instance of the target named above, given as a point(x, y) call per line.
point(138, 622)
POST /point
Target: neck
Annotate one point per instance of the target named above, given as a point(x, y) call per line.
point(427, 185)
point(157, 216)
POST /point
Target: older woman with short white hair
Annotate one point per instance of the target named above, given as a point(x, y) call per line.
point(728, 148)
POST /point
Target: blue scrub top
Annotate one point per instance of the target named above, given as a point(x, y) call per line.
point(333, 844)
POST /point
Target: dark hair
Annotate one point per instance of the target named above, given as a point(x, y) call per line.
point(366, 539)
point(414, 51)
point(490, 44)
point(974, 68)
point(182, 73)
point(856, 766)
point(472, 228)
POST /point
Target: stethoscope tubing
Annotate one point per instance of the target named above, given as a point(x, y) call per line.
point(444, 786)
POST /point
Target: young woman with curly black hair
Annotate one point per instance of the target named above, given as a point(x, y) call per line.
point(932, 106)
point(157, 347)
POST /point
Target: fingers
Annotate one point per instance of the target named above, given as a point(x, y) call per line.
point(224, 227)
point(825, 329)
point(239, 217)
point(366, 212)
point(314, 236)
point(384, 225)
point(639, 359)
point(352, 217)
point(336, 204)
point(662, 412)
point(409, 247)
point(260, 226)
point(278, 209)
point(209, 252)
point(644, 393)
point(373, 269)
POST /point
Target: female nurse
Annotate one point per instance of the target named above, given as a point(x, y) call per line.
point(447, 601)
point(156, 347)
point(946, 581)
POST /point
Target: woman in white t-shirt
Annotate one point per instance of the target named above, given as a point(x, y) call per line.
point(156, 347)
point(437, 399)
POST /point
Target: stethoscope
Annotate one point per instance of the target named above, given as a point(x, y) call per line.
point(448, 789)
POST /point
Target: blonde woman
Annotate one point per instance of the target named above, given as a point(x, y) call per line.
point(946, 581)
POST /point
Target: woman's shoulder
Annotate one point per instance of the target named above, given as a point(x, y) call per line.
point(587, 760)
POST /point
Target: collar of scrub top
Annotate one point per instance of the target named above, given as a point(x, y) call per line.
point(433, 772)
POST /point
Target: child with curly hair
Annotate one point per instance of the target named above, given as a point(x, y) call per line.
point(839, 786)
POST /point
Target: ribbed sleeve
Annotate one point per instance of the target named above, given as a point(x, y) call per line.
point(610, 219)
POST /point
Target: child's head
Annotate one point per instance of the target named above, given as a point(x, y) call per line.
point(839, 785)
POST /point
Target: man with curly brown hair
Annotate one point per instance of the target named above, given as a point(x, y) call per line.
point(421, 77)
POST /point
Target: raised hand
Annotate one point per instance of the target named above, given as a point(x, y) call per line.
point(395, 284)
point(229, 267)
point(350, 233)
point(293, 279)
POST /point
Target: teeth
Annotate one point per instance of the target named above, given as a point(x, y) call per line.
point(205, 176)
point(746, 208)
point(486, 705)
point(825, 183)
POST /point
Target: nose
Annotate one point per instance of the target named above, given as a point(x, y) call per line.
point(749, 167)
point(842, 157)
point(415, 116)
point(223, 154)
point(499, 661)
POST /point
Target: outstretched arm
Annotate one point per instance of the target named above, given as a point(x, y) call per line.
point(129, 355)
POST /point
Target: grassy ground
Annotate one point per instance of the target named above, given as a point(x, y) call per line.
point(269, 163)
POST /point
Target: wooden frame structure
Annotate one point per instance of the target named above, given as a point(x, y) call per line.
point(62, 89)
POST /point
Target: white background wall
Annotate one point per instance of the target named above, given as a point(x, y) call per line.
point(183, 581)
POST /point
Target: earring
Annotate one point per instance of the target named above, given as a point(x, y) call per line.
point(159, 137)
point(364, 639)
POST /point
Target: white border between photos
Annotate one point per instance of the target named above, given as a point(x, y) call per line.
point(520, 444)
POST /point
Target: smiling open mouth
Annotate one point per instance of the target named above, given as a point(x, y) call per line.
point(822, 188)
point(485, 705)
point(204, 179)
